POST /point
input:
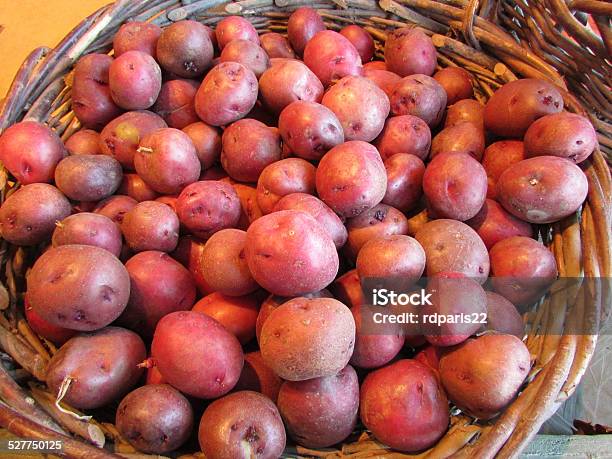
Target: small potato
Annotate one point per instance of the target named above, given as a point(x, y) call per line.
point(137, 36)
point(185, 49)
point(84, 142)
point(250, 210)
point(483, 375)
point(242, 424)
point(404, 406)
point(134, 79)
point(151, 225)
point(404, 181)
point(503, 317)
point(514, 106)
point(351, 178)
point(409, 51)
point(31, 151)
point(258, 377)
point(361, 40)
point(88, 177)
point(391, 256)
point(91, 97)
point(207, 142)
point(419, 95)
point(28, 216)
point(175, 103)
point(456, 82)
point(167, 161)
point(207, 207)
point(347, 289)
point(276, 45)
point(404, 134)
point(308, 338)
point(498, 157)
point(331, 57)
point(319, 211)
point(561, 134)
point(136, 188)
point(463, 137)
point(224, 266)
point(324, 420)
point(287, 82)
point(247, 53)
point(97, 367)
point(465, 110)
point(291, 175)
point(493, 224)
point(443, 240)
point(522, 269)
point(384, 79)
point(115, 207)
point(87, 228)
point(309, 129)
point(303, 24)
point(237, 314)
point(543, 189)
point(248, 147)
point(228, 93)
point(235, 28)
point(455, 185)
point(57, 335)
point(185, 339)
point(155, 418)
point(360, 105)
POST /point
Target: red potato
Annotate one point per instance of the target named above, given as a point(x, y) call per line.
point(97, 368)
point(228, 93)
point(404, 134)
point(250, 210)
point(137, 36)
point(430, 356)
point(235, 28)
point(224, 266)
point(361, 40)
point(493, 224)
point(276, 45)
point(153, 376)
point(87, 228)
point(503, 317)
point(300, 259)
point(409, 51)
point(207, 207)
point(84, 142)
point(151, 225)
point(404, 181)
point(57, 335)
point(286, 82)
point(360, 105)
point(175, 103)
point(258, 377)
point(543, 189)
point(319, 211)
point(375, 65)
point(196, 354)
point(207, 142)
point(309, 129)
point(522, 269)
point(115, 207)
point(237, 314)
point(155, 418)
point(463, 137)
point(419, 95)
point(120, 137)
point(134, 79)
point(514, 106)
point(170, 201)
point(88, 177)
point(404, 406)
point(307, 338)
point(561, 134)
point(347, 289)
point(395, 256)
point(248, 147)
point(247, 53)
point(498, 157)
point(455, 186)
point(136, 188)
point(456, 82)
point(303, 24)
point(465, 110)
point(28, 216)
point(287, 176)
point(185, 49)
point(188, 253)
point(167, 161)
point(91, 97)
point(384, 79)
point(242, 425)
point(30, 151)
point(331, 57)
point(351, 178)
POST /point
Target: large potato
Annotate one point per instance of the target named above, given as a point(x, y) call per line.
point(151, 225)
point(331, 57)
point(404, 181)
point(395, 256)
point(419, 95)
point(137, 36)
point(185, 49)
point(303, 24)
point(88, 177)
point(404, 134)
point(493, 224)
point(498, 157)
point(134, 79)
point(463, 137)
point(409, 50)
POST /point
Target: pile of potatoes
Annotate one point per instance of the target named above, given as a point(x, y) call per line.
point(212, 222)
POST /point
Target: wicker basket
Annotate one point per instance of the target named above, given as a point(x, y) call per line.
point(496, 41)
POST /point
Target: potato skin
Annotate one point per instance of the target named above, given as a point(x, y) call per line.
point(151, 225)
point(249, 54)
point(423, 417)
point(465, 110)
point(291, 175)
point(244, 424)
point(115, 207)
point(543, 189)
point(84, 142)
point(185, 49)
point(503, 317)
point(258, 377)
point(361, 40)
point(28, 216)
point(483, 375)
point(134, 79)
point(136, 188)
point(103, 366)
point(463, 137)
point(275, 45)
point(514, 106)
point(87, 228)
point(493, 224)
point(88, 177)
point(137, 36)
point(384, 79)
point(498, 157)
point(57, 335)
point(250, 210)
point(307, 338)
point(404, 134)
point(303, 24)
point(175, 103)
point(409, 51)
point(419, 95)
point(155, 418)
point(235, 28)
point(207, 142)
point(456, 82)
point(561, 134)
point(331, 57)
point(237, 314)
point(404, 181)
point(397, 255)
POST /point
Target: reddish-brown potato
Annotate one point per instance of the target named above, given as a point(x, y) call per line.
point(384, 79)
point(134, 79)
point(237, 314)
point(463, 137)
point(304, 23)
point(456, 82)
point(409, 50)
point(250, 210)
point(84, 142)
point(115, 207)
point(347, 289)
point(57, 335)
point(247, 53)
point(207, 142)
point(185, 49)
point(465, 110)
point(503, 317)
point(287, 176)
point(151, 225)
point(375, 65)
point(404, 134)
point(276, 45)
point(419, 95)
point(88, 177)
point(137, 36)
point(331, 57)
point(175, 103)
point(235, 28)
point(136, 188)
point(404, 181)
point(391, 256)
point(258, 377)
point(498, 157)
point(361, 40)
point(188, 253)
point(493, 224)
point(87, 228)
